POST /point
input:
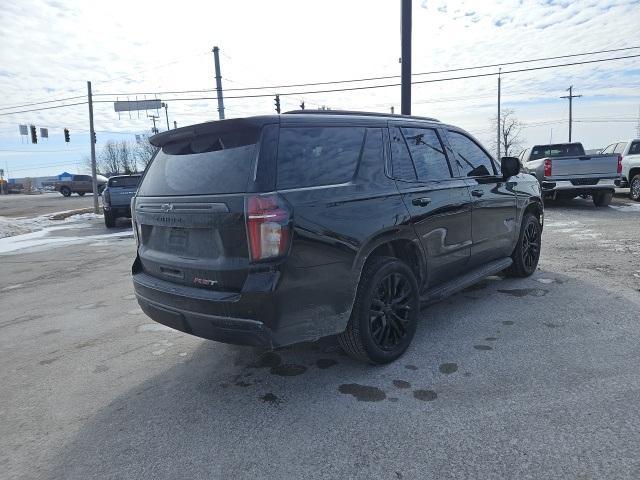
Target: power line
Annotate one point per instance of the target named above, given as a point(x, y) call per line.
point(42, 103)
point(366, 87)
point(387, 77)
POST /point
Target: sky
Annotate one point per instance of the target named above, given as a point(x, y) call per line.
point(49, 49)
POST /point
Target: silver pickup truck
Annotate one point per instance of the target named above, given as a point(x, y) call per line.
point(565, 171)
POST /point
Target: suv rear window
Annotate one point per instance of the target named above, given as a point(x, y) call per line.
point(313, 156)
point(208, 164)
point(124, 181)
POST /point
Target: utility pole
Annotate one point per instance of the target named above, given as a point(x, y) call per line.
point(571, 96)
point(638, 125)
point(216, 60)
point(499, 119)
point(405, 58)
point(92, 140)
point(166, 113)
point(154, 118)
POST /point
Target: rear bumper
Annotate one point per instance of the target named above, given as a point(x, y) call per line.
point(551, 186)
point(275, 308)
point(118, 211)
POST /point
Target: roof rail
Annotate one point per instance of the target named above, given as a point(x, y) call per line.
point(355, 112)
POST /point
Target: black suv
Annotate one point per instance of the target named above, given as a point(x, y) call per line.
point(273, 230)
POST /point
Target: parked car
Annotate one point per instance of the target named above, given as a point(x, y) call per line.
point(79, 184)
point(273, 230)
point(565, 171)
point(116, 198)
point(629, 152)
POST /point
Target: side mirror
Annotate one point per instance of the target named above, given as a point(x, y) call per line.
point(510, 166)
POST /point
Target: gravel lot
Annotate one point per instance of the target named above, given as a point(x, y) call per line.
point(535, 378)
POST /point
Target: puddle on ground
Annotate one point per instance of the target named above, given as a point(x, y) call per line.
point(523, 292)
point(482, 347)
point(551, 325)
point(288, 370)
point(324, 363)
point(401, 384)
point(448, 368)
point(271, 399)
point(410, 367)
point(491, 339)
point(267, 360)
point(362, 393)
point(425, 395)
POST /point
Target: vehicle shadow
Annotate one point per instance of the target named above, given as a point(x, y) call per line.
point(230, 412)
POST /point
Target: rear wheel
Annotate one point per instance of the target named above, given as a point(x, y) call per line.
point(527, 252)
point(66, 191)
point(602, 199)
point(634, 188)
point(109, 220)
point(385, 313)
point(81, 193)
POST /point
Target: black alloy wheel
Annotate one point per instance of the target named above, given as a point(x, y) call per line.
point(389, 313)
point(531, 246)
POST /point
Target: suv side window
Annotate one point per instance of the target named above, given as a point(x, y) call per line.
point(313, 156)
point(472, 160)
point(401, 159)
point(634, 149)
point(427, 153)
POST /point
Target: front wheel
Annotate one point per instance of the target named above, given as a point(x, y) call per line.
point(602, 199)
point(66, 191)
point(634, 188)
point(81, 193)
point(385, 313)
point(109, 220)
point(527, 252)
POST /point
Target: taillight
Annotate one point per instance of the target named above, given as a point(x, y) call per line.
point(619, 164)
point(268, 226)
point(547, 167)
point(106, 197)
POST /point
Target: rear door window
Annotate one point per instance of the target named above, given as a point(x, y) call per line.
point(427, 153)
point(314, 156)
point(472, 160)
point(401, 159)
point(634, 149)
point(207, 164)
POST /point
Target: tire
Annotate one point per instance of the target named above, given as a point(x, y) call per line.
point(602, 199)
point(634, 188)
point(66, 191)
point(81, 193)
point(109, 220)
point(389, 288)
point(527, 252)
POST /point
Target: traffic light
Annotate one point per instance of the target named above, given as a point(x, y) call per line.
point(277, 103)
point(302, 105)
point(94, 138)
point(66, 135)
point(34, 135)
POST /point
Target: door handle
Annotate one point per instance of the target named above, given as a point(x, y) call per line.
point(477, 193)
point(421, 202)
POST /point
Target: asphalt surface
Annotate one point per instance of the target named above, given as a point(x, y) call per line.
point(19, 205)
point(534, 378)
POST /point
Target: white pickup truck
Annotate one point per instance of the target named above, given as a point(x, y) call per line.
point(565, 171)
point(630, 152)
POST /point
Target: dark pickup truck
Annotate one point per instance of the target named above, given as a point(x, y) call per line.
point(277, 229)
point(116, 198)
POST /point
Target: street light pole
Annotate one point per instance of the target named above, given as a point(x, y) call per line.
point(405, 100)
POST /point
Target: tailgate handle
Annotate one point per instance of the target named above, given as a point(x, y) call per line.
point(172, 272)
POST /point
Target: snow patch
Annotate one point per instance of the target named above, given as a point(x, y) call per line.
point(629, 208)
point(155, 327)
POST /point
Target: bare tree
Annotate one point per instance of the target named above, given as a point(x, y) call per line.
point(510, 130)
point(126, 158)
point(143, 153)
point(109, 158)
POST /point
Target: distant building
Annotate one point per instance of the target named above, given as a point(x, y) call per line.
point(42, 182)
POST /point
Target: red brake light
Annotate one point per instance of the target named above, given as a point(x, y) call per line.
point(547, 167)
point(619, 164)
point(268, 226)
